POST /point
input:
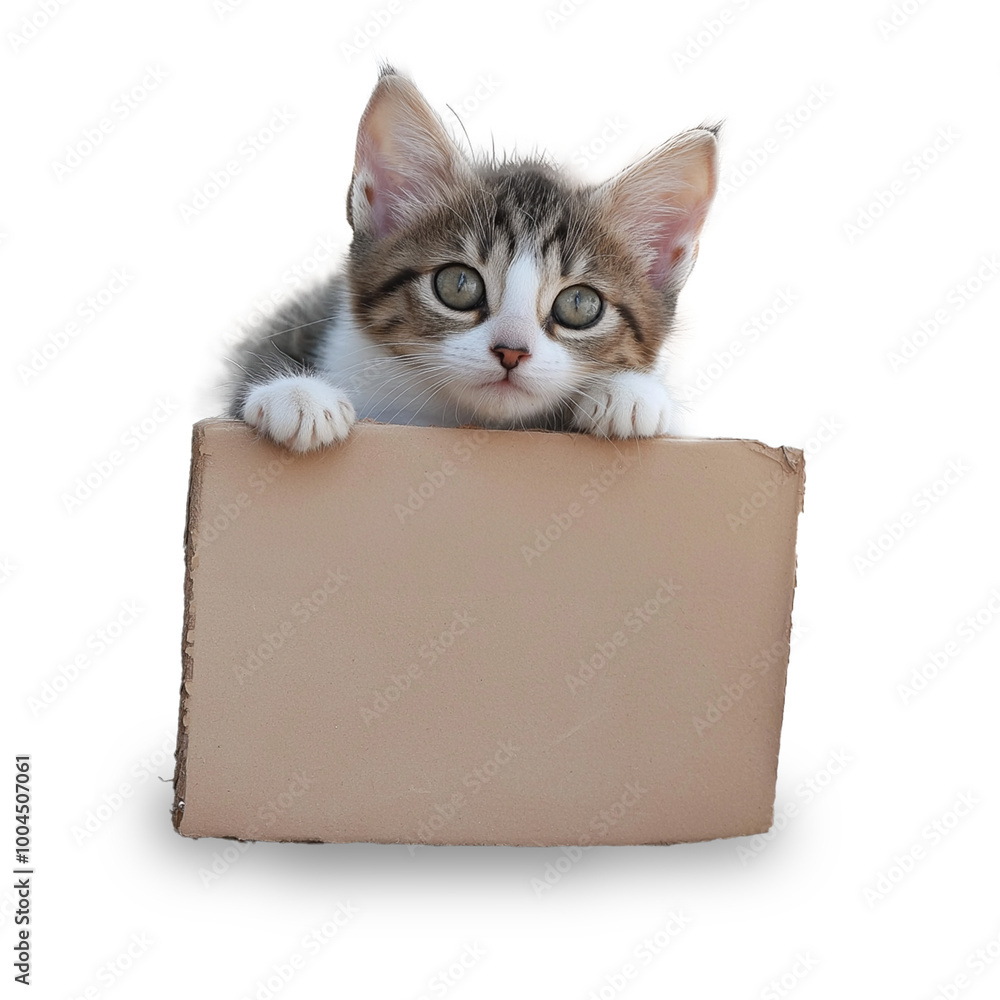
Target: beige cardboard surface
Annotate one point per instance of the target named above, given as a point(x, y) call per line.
point(430, 635)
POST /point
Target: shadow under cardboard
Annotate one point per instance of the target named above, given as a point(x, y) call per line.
point(454, 865)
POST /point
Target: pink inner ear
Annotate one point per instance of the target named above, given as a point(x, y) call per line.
point(386, 191)
point(670, 245)
point(380, 207)
point(661, 204)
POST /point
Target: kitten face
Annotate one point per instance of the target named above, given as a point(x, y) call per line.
point(506, 287)
point(525, 236)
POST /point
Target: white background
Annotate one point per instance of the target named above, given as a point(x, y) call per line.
point(798, 911)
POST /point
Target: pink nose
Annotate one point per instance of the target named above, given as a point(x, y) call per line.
point(510, 356)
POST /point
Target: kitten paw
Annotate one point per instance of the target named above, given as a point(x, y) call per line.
point(299, 412)
point(624, 405)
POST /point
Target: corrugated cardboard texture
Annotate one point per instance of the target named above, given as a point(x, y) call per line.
point(430, 635)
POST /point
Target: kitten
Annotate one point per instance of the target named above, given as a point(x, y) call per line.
point(493, 293)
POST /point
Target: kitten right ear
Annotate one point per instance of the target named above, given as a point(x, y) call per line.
point(405, 159)
point(661, 203)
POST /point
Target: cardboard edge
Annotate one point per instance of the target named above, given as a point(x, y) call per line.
point(797, 466)
point(791, 460)
point(542, 845)
point(192, 518)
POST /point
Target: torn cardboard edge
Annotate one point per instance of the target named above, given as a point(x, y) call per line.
point(192, 517)
point(789, 460)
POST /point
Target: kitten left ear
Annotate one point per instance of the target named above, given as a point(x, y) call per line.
point(662, 202)
point(405, 159)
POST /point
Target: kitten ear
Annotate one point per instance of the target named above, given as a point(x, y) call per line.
point(662, 201)
point(405, 159)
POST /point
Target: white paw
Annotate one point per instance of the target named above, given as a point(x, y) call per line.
point(300, 412)
point(624, 405)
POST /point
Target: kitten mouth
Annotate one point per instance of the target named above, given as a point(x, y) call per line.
point(502, 400)
point(505, 385)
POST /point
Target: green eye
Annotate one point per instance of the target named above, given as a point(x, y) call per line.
point(577, 307)
point(460, 287)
